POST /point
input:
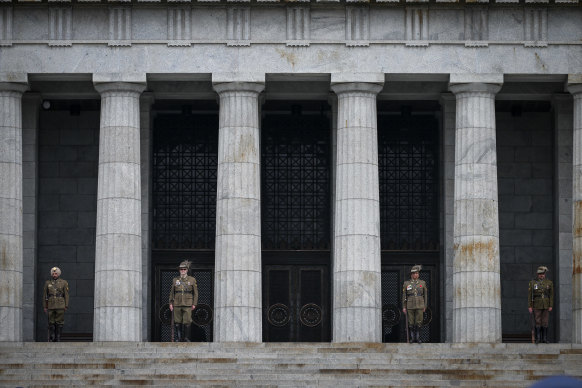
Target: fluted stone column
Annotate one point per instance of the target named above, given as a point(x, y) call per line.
point(11, 205)
point(237, 293)
point(118, 255)
point(357, 302)
point(476, 273)
point(576, 90)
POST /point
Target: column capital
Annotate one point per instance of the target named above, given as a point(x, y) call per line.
point(229, 82)
point(13, 82)
point(489, 83)
point(574, 84)
point(357, 82)
point(110, 82)
point(238, 87)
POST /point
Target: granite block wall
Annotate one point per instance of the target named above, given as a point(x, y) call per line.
point(67, 187)
point(525, 177)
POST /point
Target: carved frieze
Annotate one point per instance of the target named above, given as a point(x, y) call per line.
point(476, 26)
point(535, 24)
point(238, 26)
point(6, 26)
point(298, 26)
point(416, 21)
point(60, 26)
point(119, 26)
point(179, 26)
point(357, 26)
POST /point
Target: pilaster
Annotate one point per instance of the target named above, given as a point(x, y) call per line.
point(563, 137)
point(118, 255)
point(575, 87)
point(12, 86)
point(476, 265)
point(448, 105)
point(357, 301)
point(30, 125)
point(237, 294)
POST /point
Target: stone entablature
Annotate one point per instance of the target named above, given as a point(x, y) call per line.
point(354, 23)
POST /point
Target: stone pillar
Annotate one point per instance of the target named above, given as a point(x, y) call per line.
point(237, 292)
point(476, 272)
point(448, 105)
point(118, 255)
point(357, 301)
point(146, 102)
point(30, 124)
point(562, 271)
point(12, 86)
point(575, 87)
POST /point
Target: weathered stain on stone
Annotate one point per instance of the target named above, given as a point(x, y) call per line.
point(477, 250)
point(246, 148)
point(3, 257)
point(289, 57)
point(577, 219)
point(540, 62)
point(345, 371)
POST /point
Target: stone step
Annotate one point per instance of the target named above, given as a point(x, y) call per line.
point(216, 364)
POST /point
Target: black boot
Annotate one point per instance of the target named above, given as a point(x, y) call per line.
point(545, 335)
point(186, 333)
point(418, 341)
point(411, 334)
point(58, 331)
point(52, 329)
point(178, 330)
point(538, 334)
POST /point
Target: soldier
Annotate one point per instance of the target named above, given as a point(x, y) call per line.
point(540, 303)
point(414, 301)
point(183, 300)
point(56, 302)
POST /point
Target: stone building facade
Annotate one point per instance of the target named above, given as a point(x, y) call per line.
point(303, 155)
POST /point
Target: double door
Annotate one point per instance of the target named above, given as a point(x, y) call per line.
point(296, 303)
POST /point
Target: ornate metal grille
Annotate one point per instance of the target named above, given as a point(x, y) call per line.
point(391, 331)
point(185, 158)
point(408, 167)
point(296, 184)
point(205, 296)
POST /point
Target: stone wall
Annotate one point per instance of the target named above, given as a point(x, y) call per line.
point(525, 176)
point(68, 155)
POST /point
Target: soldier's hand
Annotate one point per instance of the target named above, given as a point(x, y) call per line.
point(171, 308)
point(404, 311)
point(45, 309)
point(550, 309)
point(193, 307)
point(530, 310)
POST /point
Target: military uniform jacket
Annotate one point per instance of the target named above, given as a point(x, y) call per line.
point(541, 294)
point(56, 294)
point(414, 294)
point(184, 291)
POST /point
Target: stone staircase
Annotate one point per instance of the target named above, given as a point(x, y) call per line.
point(284, 364)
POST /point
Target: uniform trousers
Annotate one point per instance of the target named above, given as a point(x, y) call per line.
point(183, 314)
point(56, 317)
point(541, 317)
point(415, 317)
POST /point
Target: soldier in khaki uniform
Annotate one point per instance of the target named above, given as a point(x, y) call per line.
point(541, 302)
point(414, 301)
point(55, 302)
point(183, 299)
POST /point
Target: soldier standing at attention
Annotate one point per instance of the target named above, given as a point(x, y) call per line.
point(183, 299)
point(414, 301)
point(55, 301)
point(541, 302)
